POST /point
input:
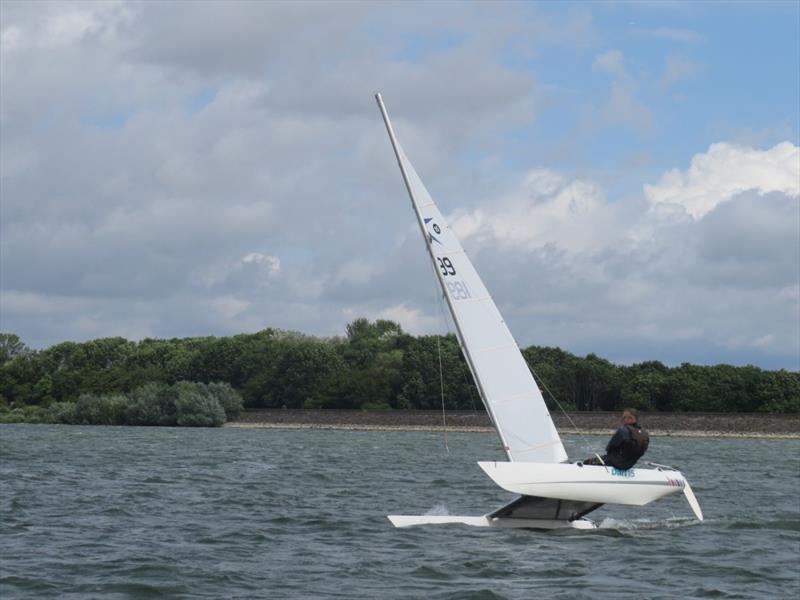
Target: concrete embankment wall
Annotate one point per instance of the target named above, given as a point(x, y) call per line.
point(722, 424)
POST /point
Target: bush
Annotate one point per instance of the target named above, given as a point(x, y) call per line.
point(316, 402)
point(155, 403)
point(152, 404)
point(14, 415)
point(228, 398)
point(375, 406)
point(100, 410)
point(197, 407)
point(62, 412)
point(24, 414)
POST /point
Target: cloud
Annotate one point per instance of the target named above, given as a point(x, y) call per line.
point(576, 265)
point(746, 243)
point(724, 171)
point(11, 39)
point(622, 107)
point(175, 169)
point(252, 271)
point(28, 303)
point(611, 61)
point(358, 271)
point(546, 208)
point(272, 264)
point(229, 307)
point(68, 27)
point(672, 34)
point(58, 25)
point(412, 320)
point(677, 69)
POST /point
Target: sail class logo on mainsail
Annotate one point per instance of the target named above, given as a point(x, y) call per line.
point(435, 228)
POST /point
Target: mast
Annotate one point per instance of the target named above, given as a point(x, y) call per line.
point(439, 277)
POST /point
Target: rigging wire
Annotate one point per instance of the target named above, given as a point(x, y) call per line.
point(441, 387)
point(440, 300)
point(558, 404)
point(446, 319)
point(469, 384)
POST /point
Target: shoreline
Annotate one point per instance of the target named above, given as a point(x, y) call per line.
point(440, 429)
point(721, 425)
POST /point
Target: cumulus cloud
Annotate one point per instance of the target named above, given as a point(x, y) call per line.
point(728, 280)
point(724, 171)
point(271, 264)
point(285, 152)
point(546, 208)
point(413, 320)
point(623, 106)
point(57, 25)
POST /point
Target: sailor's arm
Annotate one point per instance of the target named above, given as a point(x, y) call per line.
point(617, 439)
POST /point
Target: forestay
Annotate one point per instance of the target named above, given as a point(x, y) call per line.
point(504, 380)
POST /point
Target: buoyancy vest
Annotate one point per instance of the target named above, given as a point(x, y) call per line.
point(637, 445)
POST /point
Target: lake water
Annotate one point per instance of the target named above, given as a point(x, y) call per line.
point(118, 512)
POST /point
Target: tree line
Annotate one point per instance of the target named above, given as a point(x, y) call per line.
point(374, 366)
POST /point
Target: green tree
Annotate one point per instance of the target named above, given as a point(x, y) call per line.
point(62, 412)
point(375, 364)
point(11, 347)
point(152, 404)
point(197, 407)
point(100, 410)
point(644, 390)
point(229, 399)
point(779, 391)
point(301, 372)
point(422, 378)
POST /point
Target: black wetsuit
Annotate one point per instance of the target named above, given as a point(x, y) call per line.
point(624, 448)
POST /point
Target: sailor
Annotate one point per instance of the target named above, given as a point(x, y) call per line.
point(626, 446)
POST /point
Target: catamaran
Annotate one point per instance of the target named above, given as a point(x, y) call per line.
point(553, 493)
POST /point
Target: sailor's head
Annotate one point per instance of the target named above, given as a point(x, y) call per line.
point(630, 416)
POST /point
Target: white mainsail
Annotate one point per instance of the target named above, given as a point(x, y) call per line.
point(504, 380)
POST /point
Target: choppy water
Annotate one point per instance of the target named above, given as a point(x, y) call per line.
point(116, 512)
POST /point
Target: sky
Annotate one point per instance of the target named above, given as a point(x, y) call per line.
point(625, 176)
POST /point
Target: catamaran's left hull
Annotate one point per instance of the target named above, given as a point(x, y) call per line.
point(488, 521)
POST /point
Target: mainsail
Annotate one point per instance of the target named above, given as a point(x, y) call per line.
point(504, 380)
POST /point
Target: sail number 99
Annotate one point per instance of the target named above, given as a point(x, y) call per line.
point(446, 266)
point(458, 289)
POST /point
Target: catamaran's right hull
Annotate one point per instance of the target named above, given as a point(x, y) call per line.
point(585, 483)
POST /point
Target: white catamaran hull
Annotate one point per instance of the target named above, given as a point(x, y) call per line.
point(564, 491)
point(586, 483)
point(488, 521)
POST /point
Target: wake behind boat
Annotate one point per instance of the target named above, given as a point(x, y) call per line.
point(553, 492)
